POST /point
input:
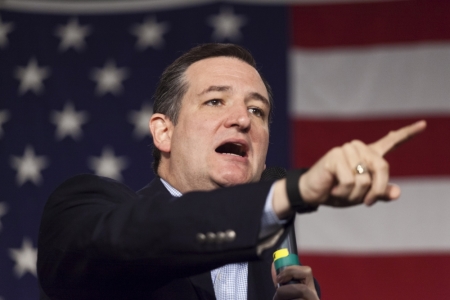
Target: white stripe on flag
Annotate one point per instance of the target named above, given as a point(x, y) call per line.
point(377, 81)
point(418, 222)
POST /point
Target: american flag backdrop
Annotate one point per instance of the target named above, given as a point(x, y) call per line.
point(76, 80)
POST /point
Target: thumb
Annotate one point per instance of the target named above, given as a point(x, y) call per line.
point(393, 192)
point(274, 275)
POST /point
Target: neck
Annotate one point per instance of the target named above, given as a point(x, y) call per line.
point(185, 182)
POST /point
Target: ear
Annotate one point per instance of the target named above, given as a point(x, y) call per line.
point(161, 129)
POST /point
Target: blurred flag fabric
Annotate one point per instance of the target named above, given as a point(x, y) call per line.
point(76, 81)
point(357, 71)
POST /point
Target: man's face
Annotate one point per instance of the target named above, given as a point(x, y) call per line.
point(222, 134)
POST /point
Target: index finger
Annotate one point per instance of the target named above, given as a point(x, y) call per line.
point(397, 137)
point(295, 272)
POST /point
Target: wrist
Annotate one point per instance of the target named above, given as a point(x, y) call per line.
point(305, 193)
point(295, 193)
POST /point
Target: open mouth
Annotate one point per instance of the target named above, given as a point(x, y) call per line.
point(237, 149)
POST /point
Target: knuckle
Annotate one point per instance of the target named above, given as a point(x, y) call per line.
point(381, 165)
point(364, 181)
point(336, 151)
point(347, 145)
point(355, 199)
point(307, 269)
point(348, 182)
point(357, 143)
point(302, 288)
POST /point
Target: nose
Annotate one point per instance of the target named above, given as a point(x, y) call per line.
point(239, 117)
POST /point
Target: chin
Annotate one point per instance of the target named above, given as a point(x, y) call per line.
point(226, 180)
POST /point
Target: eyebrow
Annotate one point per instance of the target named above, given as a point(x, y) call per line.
point(216, 88)
point(226, 88)
point(259, 97)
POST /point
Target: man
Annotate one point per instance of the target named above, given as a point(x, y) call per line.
point(190, 233)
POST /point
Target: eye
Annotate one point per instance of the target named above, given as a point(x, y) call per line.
point(213, 102)
point(256, 111)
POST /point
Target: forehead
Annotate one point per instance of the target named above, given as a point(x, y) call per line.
point(224, 71)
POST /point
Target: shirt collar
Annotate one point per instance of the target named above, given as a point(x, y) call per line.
point(173, 191)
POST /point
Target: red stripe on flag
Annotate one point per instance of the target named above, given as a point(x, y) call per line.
point(427, 154)
point(381, 277)
point(316, 26)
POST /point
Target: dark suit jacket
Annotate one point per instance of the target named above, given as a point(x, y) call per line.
point(100, 240)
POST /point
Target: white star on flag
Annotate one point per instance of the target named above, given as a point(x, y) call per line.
point(31, 77)
point(72, 35)
point(226, 25)
point(108, 164)
point(109, 78)
point(68, 122)
point(140, 120)
point(4, 117)
point(149, 34)
point(3, 211)
point(25, 258)
point(5, 29)
point(29, 167)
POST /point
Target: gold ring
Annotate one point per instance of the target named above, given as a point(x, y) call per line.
point(360, 169)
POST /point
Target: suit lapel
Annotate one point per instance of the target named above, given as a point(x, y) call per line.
point(260, 285)
point(203, 286)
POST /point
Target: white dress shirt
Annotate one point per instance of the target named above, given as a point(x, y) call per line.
point(230, 281)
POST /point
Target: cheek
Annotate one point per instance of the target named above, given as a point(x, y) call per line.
point(263, 137)
point(196, 132)
point(262, 143)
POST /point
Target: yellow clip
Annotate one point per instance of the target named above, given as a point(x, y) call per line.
point(280, 253)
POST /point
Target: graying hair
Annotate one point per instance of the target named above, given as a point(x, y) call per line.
point(173, 85)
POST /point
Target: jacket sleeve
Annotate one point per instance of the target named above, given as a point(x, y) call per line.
point(98, 237)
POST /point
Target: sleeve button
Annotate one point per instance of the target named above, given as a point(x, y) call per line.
point(221, 236)
point(210, 237)
point(230, 235)
point(201, 237)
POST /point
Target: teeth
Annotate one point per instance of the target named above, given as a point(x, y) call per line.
point(231, 154)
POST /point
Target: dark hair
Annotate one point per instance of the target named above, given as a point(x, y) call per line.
point(172, 85)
